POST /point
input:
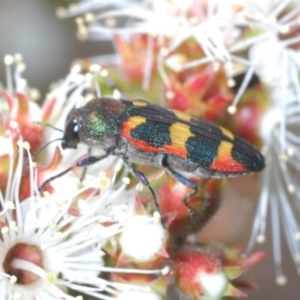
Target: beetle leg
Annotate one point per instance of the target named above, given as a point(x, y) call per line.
point(85, 168)
point(143, 179)
point(185, 182)
point(87, 161)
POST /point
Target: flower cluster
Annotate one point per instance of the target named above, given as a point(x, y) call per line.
point(90, 233)
point(233, 62)
point(57, 242)
point(95, 232)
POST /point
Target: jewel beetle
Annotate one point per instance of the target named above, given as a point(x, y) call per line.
point(144, 133)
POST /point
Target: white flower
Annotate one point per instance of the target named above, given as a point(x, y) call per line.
point(280, 192)
point(275, 58)
point(273, 51)
point(209, 23)
point(50, 245)
point(45, 249)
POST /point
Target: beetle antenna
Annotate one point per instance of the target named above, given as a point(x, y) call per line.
point(42, 148)
point(48, 125)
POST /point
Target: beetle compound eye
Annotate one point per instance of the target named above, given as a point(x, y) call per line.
point(71, 136)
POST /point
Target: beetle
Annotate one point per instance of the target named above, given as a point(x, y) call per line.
point(145, 133)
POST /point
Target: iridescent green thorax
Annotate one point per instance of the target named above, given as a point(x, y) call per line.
point(98, 122)
point(96, 125)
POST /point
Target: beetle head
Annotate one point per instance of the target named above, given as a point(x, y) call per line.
point(94, 124)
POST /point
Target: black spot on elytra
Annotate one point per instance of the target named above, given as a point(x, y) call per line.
point(153, 133)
